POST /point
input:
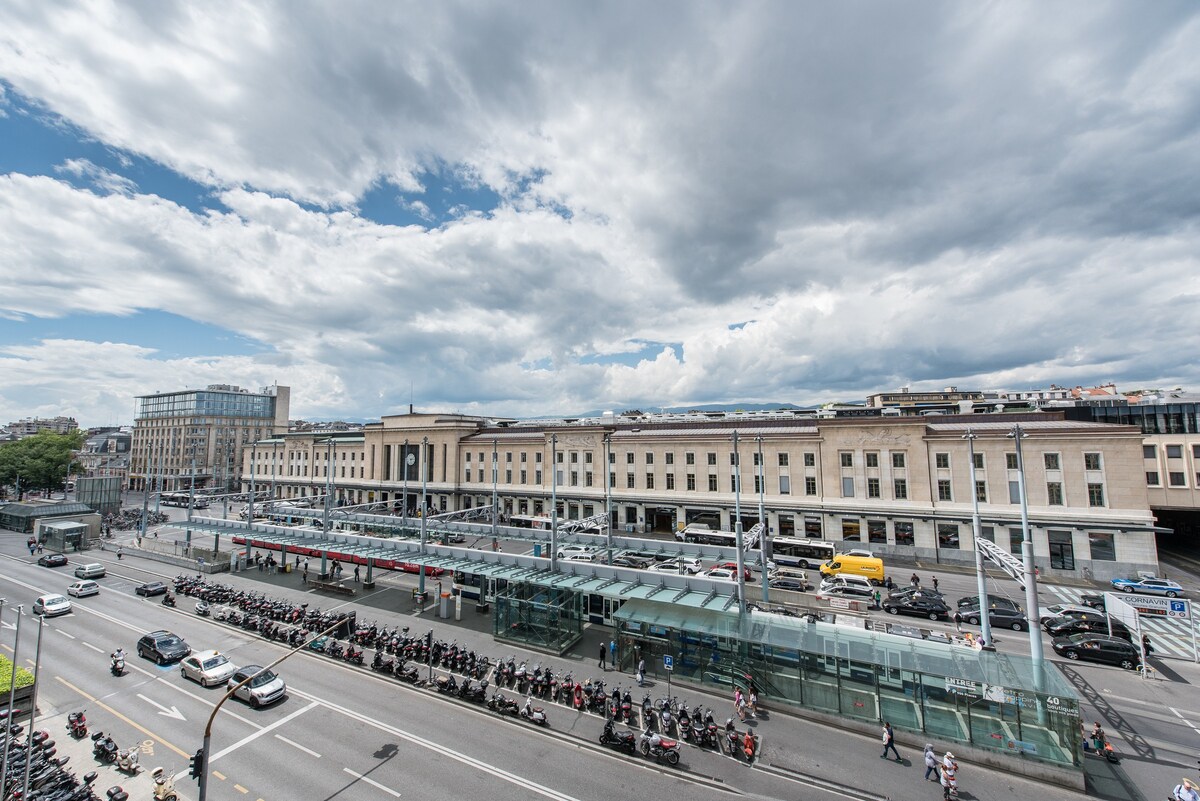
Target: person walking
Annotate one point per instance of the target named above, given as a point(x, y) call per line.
point(934, 582)
point(1098, 737)
point(739, 703)
point(121, 554)
point(357, 574)
point(752, 702)
point(612, 652)
point(889, 742)
point(304, 574)
point(915, 580)
point(641, 673)
point(958, 621)
point(931, 764)
point(1186, 791)
point(603, 654)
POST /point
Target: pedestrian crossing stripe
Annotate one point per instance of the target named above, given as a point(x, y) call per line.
point(1168, 637)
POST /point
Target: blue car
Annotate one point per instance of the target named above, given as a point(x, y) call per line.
point(1148, 586)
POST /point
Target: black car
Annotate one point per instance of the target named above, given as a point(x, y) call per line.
point(152, 588)
point(916, 592)
point(1094, 601)
point(162, 647)
point(52, 560)
point(796, 585)
point(1098, 648)
point(918, 605)
point(994, 601)
point(629, 561)
point(998, 616)
point(1092, 624)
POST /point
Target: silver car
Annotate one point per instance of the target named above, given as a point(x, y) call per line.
point(263, 689)
point(209, 668)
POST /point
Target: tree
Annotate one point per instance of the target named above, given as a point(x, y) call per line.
point(42, 461)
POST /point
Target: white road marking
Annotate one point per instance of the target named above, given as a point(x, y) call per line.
point(372, 782)
point(260, 733)
point(94, 648)
point(63, 633)
point(295, 744)
point(1179, 715)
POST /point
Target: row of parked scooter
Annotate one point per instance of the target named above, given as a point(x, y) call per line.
point(406, 656)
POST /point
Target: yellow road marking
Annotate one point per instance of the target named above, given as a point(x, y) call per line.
point(240, 789)
point(132, 723)
point(219, 775)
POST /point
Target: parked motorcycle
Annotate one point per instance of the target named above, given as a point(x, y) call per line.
point(202, 608)
point(127, 761)
point(168, 600)
point(77, 725)
point(503, 705)
point(164, 786)
point(104, 748)
point(533, 713)
point(653, 744)
point(625, 740)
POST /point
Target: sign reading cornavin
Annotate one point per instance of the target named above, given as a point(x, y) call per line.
point(1157, 605)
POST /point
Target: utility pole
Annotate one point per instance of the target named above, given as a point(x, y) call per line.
point(737, 529)
point(762, 518)
point(424, 511)
point(554, 502)
point(985, 621)
point(1031, 597)
point(495, 488)
point(608, 496)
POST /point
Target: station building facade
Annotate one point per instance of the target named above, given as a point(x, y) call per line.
point(900, 486)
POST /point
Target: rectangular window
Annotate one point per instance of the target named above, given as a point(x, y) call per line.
point(904, 533)
point(1054, 494)
point(947, 534)
point(785, 485)
point(1095, 494)
point(900, 488)
point(847, 459)
point(944, 493)
point(574, 457)
point(810, 485)
point(872, 459)
point(468, 478)
point(468, 457)
point(757, 485)
point(649, 457)
point(941, 461)
point(851, 529)
point(612, 458)
point(691, 482)
point(537, 477)
point(612, 480)
point(630, 483)
point(560, 457)
point(1014, 492)
point(587, 480)
point(1152, 478)
point(712, 457)
point(1062, 552)
point(649, 481)
point(979, 461)
point(587, 458)
point(810, 460)
point(756, 459)
point(1010, 461)
point(783, 460)
point(689, 458)
point(508, 456)
point(1015, 538)
point(712, 483)
point(670, 481)
point(537, 457)
point(733, 459)
point(629, 458)
point(981, 491)
point(1051, 460)
point(524, 476)
point(574, 478)
point(670, 457)
point(988, 533)
point(1196, 451)
point(1091, 461)
point(812, 527)
point(1176, 479)
point(507, 476)
point(898, 460)
point(1149, 452)
point(525, 457)
point(872, 488)
point(847, 487)
point(877, 531)
point(1103, 545)
point(1174, 451)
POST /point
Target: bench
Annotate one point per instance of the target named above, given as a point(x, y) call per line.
point(332, 586)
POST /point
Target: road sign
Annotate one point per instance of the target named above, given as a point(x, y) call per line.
point(668, 662)
point(1157, 605)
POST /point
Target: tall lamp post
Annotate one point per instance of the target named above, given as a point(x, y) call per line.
point(253, 488)
point(1031, 596)
point(554, 502)
point(424, 509)
point(608, 496)
point(737, 527)
point(495, 489)
point(762, 518)
point(407, 463)
point(12, 691)
point(985, 621)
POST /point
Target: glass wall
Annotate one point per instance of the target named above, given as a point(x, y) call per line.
point(539, 616)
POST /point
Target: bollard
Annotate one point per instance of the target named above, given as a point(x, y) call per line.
point(458, 607)
point(444, 606)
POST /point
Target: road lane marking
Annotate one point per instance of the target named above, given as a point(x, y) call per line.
point(171, 712)
point(63, 633)
point(219, 775)
point(295, 744)
point(94, 648)
point(240, 788)
point(260, 732)
point(372, 782)
point(1184, 719)
point(132, 723)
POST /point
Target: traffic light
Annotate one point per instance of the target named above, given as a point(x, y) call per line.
point(196, 764)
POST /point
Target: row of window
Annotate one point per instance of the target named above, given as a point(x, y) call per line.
point(1173, 451)
point(1174, 479)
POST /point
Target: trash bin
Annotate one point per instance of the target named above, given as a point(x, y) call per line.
point(444, 606)
point(287, 568)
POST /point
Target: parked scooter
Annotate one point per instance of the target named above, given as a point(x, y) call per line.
point(534, 713)
point(202, 608)
point(77, 725)
point(164, 786)
point(503, 705)
point(625, 740)
point(104, 748)
point(661, 748)
point(127, 761)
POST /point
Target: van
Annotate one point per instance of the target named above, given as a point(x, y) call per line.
point(869, 567)
point(91, 571)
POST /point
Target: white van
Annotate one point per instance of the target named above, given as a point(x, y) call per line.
point(82, 589)
point(90, 571)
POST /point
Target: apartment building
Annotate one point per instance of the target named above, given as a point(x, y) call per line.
point(901, 486)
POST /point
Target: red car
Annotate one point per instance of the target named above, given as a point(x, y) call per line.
point(732, 566)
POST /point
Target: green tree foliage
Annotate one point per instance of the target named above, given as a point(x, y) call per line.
point(24, 677)
point(42, 461)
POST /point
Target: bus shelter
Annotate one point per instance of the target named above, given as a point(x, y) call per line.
point(992, 701)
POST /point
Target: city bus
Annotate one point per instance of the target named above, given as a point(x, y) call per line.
point(530, 521)
point(704, 535)
point(183, 499)
point(798, 552)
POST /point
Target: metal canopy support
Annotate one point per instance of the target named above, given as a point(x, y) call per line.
point(631, 587)
point(593, 522)
point(1003, 559)
point(680, 594)
point(474, 513)
point(711, 594)
point(656, 591)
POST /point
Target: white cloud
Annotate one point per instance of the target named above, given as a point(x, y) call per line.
point(104, 180)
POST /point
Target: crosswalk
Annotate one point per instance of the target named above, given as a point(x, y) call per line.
point(1170, 638)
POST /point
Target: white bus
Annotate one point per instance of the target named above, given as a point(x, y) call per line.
point(800, 552)
point(183, 499)
point(707, 536)
point(530, 521)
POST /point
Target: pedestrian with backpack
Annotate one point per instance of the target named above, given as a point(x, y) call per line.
point(889, 742)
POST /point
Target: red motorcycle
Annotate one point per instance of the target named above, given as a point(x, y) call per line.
point(579, 696)
point(77, 725)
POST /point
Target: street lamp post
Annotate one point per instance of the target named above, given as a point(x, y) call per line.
point(404, 504)
point(608, 496)
point(12, 691)
point(37, 664)
point(424, 509)
point(737, 527)
point(554, 502)
point(250, 502)
point(985, 621)
point(274, 471)
point(1031, 597)
point(495, 488)
point(762, 518)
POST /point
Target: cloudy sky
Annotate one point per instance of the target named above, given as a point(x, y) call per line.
point(529, 208)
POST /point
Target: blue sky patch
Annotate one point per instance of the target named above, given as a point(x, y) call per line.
point(646, 350)
point(449, 194)
point(171, 335)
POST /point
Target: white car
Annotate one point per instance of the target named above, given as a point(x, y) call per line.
point(863, 552)
point(81, 589)
point(577, 556)
point(51, 605)
point(209, 668)
point(566, 550)
point(690, 566)
point(722, 573)
point(846, 585)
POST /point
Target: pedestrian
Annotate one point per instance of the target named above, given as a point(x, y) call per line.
point(739, 703)
point(889, 742)
point(878, 599)
point(934, 581)
point(752, 702)
point(304, 575)
point(121, 553)
point(889, 584)
point(1186, 791)
point(958, 621)
point(1098, 737)
point(41, 547)
point(495, 544)
point(603, 655)
point(357, 575)
point(305, 564)
point(931, 764)
point(641, 672)
point(915, 580)
point(32, 548)
point(612, 653)
point(258, 561)
point(439, 592)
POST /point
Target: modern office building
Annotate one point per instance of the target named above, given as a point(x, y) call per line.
point(900, 486)
point(207, 428)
